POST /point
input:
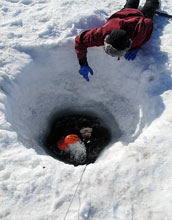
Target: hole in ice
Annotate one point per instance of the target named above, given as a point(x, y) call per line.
point(43, 89)
point(92, 132)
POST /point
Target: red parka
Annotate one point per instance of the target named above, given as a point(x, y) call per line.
point(131, 20)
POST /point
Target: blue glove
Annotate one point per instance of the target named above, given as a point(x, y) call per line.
point(84, 70)
point(131, 55)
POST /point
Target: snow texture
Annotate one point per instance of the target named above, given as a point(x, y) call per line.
point(132, 178)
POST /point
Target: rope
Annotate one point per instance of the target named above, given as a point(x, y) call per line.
point(75, 191)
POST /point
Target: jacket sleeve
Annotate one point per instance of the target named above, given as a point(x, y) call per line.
point(88, 38)
point(146, 30)
point(142, 33)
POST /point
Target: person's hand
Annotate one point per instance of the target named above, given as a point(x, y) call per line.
point(71, 139)
point(84, 70)
point(131, 55)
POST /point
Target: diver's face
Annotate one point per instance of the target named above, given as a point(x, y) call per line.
point(86, 132)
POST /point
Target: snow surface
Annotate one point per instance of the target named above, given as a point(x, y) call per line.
point(132, 178)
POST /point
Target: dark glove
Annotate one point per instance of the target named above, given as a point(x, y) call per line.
point(131, 55)
point(84, 70)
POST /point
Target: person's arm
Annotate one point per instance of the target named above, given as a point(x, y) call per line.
point(89, 38)
point(146, 31)
point(142, 34)
point(141, 37)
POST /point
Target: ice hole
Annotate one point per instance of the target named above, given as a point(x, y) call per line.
point(48, 86)
point(71, 122)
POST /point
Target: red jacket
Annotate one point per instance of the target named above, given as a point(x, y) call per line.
point(131, 20)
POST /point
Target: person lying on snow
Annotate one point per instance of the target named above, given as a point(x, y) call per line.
point(84, 147)
point(122, 34)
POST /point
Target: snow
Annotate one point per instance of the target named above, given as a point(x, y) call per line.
point(131, 179)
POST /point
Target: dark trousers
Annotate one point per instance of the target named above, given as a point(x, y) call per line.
point(148, 9)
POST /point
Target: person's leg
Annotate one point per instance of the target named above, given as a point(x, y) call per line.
point(149, 8)
point(132, 4)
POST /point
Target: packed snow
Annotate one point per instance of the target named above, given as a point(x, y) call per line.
point(132, 178)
